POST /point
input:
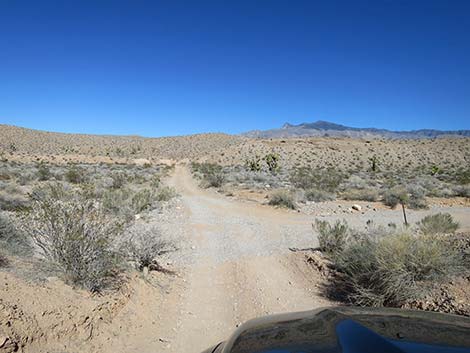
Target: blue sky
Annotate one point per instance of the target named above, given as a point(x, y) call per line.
point(158, 68)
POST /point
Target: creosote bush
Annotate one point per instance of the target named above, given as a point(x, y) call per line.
point(12, 240)
point(332, 238)
point(282, 198)
point(144, 247)
point(165, 193)
point(3, 261)
point(413, 198)
point(43, 172)
point(361, 194)
point(212, 175)
point(388, 268)
point(74, 234)
point(75, 175)
point(440, 223)
point(320, 179)
point(318, 195)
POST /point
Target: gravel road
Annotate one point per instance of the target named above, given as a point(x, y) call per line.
point(235, 263)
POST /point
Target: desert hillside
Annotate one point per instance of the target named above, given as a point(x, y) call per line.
point(28, 142)
point(342, 153)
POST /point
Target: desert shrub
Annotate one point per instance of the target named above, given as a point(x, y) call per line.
point(417, 199)
point(332, 238)
point(461, 176)
point(118, 180)
point(215, 180)
point(212, 175)
point(3, 260)
point(165, 193)
point(25, 177)
point(144, 246)
point(392, 197)
point(322, 179)
point(12, 202)
point(11, 238)
point(319, 195)
point(126, 202)
point(155, 181)
point(206, 168)
point(43, 172)
point(356, 182)
point(389, 270)
point(4, 176)
point(75, 175)
point(282, 198)
point(440, 223)
point(75, 235)
point(142, 200)
point(117, 202)
point(361, 194)
point(413, 198)
point(462, 190)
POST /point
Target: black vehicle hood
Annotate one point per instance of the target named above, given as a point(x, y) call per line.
point(352, 330)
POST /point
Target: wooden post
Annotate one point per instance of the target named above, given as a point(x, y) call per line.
point(404, 213)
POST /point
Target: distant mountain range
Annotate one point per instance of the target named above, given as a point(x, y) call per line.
point(325, 128)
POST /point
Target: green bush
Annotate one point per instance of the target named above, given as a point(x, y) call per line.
point(144, 246)
point(440, 223)
point(212, 175)
point(12, 240)
point(320, 179)
point(165, 193)
point(332, 238)
point(361, 194)
point(282, 198)
point(13, 202)
point(214, 180)
point(462, 190)
point(394, 196)
point(142, 200)
point(319, 195)
point(117, 202)
point(74, 234)
point(43, 172)
point(119, 180)
point(75, 175)
point(414, 198)
point(3, 260)
point(392, 269)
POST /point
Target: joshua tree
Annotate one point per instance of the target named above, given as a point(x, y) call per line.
point(254, 164)
point(374, 162)
point(272, 161)
point(435, 170)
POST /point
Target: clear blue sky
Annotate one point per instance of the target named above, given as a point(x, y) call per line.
point(176, 67)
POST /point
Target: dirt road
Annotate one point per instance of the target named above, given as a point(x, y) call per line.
point(239, 267)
